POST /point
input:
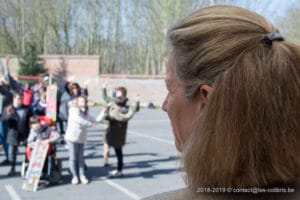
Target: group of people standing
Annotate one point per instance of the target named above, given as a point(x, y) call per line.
point(117, 113)
point(23, 111)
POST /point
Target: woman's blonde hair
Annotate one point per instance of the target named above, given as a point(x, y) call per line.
point(248, 133)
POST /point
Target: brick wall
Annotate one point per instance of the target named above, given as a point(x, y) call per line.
point(85, 69)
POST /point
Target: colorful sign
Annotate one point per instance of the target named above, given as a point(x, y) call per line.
point(35, 167)
point(51, 109)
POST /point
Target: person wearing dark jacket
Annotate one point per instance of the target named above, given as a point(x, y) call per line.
point(17, 118)
point(118, 113)
point(117, 96)
point(7, 86)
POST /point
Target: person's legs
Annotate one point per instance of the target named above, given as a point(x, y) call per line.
point(119, 155)
point(12, 157)
point(80, 159)
point(118, 171)
point(61, 128)
point(106, 148)
point(65, 124)
point(3, 133)
point(45, 168)
point(81, 167)
point(73, 151)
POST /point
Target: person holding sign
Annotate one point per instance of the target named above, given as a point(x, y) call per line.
point(40, 132)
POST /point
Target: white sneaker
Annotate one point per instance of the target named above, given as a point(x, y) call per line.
point(116, 173)
point(84, 180)
point(75, 180)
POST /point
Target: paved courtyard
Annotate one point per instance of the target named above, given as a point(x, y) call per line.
point(150, 165)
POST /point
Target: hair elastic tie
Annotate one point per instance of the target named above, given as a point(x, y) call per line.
point(269, 38)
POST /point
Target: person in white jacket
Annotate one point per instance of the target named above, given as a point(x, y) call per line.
point(78, 122)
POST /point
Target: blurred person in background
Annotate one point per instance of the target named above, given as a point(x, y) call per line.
point(117, 113)
point(78, 122)
point(16, 115)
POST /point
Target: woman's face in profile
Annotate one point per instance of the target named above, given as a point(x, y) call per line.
point(181, 110)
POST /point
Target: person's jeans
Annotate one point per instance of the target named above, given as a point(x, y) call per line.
point(12, 155)
point(3, 133)
point(61, 126)
point(76, 158)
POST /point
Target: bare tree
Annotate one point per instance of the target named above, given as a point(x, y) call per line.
point(290, 25)
point(128, 35)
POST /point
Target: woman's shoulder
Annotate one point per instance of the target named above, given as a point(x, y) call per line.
point(187, 194)
point(179, 194)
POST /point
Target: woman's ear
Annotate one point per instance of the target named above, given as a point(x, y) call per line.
point(205, 91)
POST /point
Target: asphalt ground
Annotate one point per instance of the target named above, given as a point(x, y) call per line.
point(151, 165)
